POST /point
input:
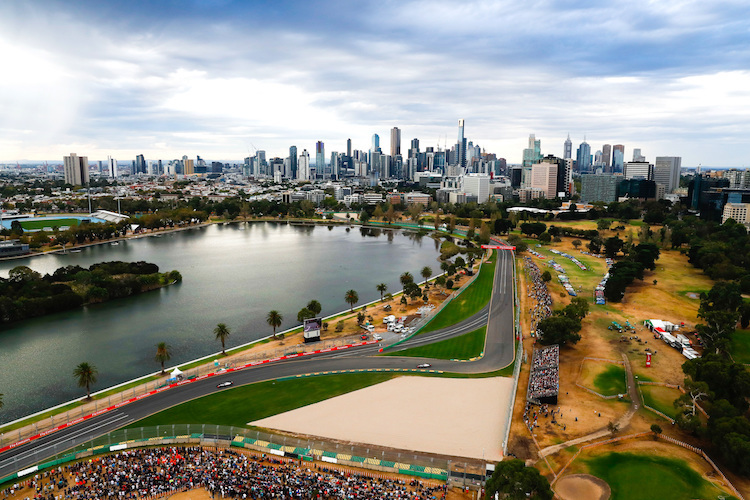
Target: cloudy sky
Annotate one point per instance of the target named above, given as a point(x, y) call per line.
point(218, 78)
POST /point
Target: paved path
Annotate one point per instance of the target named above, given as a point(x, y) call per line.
point(622, 422)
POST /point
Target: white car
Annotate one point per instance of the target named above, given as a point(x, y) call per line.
point(424, 365)
point(377, 337)
point(228, 383)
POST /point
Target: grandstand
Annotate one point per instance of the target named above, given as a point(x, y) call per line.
point(544, 379)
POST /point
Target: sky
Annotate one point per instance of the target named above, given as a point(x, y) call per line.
point(220, 78)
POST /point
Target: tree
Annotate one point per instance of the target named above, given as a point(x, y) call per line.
point(85, 375)
point(694, 393)
point(612, 246)
point(163, 354)
point(303, 314)
point(274, 319)
point(406, 278)
point(720, 309)
point(221, 333)
point(595, 245)
point(512, 480)
point(603, 224)
point(315, 307)
point(545, 237)
point(460, 262)
point(546, 276)
point(449, 284)
point(351, 298)
point(382, 288)
point(577, 244)
point(436, 221)
point(657, 430)
point(558, 330)
point(426, 272)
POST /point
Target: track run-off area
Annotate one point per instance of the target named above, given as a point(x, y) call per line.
point(497, 316)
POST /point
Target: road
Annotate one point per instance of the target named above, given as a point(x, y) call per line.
point(499, 351)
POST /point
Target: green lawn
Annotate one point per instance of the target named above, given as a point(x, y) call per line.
point(470, 302)
point(660, 398)
point(611, 381)
point(740, 346)
point(41, 224)
point(466, 346)
point(635, 476)
point(245, 404)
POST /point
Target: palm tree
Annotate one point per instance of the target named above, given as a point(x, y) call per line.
point(163, 354)
point(351, 298)
point(274, 319)
point(222, 332)
point(382, 288)
point(406, 278)
point(314, 306)
point(85, 375)
point(426, 272)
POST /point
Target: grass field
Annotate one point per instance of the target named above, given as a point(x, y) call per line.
point(740, 346)
point(607, 379)
point(245, 404)
point(466, 346)
point(470, 302)
point(41, 224)
point(636, 476)
point(660, 398)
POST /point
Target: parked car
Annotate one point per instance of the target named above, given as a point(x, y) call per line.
point(377, 337)
point(225, 384)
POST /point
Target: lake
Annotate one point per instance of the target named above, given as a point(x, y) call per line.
point(233, 274)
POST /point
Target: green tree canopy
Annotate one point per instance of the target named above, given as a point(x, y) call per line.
point(85, 374)
point(512, 480)
point(163, 354)
point(351, 297)
point(222, 332)
point(274, 320)
point(559, 330)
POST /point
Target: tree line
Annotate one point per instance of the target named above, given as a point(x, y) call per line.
point(27, 294)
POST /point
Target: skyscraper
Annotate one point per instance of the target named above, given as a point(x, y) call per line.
point(349, 148)
point(621, 149)
point(583, 157)
point(532, 154)
point(303, 170)
point(293, 161)
point(607, 157)
point(568, 148)
point(395, 141)
point(76, 169)
point(320, 158)
point(140, 165)
point(375, 142)
point(461, 145)
point(667, 172)
point(112, 167)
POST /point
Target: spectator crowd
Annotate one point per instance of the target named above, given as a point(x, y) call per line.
point(538, 293)
point(226, 473)
point(544, 379)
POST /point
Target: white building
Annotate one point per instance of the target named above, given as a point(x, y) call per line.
point(477, 185)
point(544, 178)
point(736, 211)
point(76, 169)
point(639, 170)
point(303, 166)
point(667, 172)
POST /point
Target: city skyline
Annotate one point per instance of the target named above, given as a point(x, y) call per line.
point(202, 78)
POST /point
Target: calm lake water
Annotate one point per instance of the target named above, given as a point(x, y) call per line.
point(232, 273)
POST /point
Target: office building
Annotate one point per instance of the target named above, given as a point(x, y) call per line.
point(738, 212)
point(476, 185)
point(349, 148)
point(637, 156)
point(615, 149)
point(293, 162)
point(639, 170)
point(76, 169)
point(568, 148)
point(583, 157)
point(638, 188)
point(599, 188)
point(303, 166)
point(607, 157)
point(395, 142)
point(667, 172)
point(533, 153)
point(460, 149)
point(140, 165)
point(188, 166)
point(111, 167)
point(544, 178)
point(375, 142)
point(320, 159)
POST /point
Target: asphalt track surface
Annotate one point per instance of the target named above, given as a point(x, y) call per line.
point(498, 353)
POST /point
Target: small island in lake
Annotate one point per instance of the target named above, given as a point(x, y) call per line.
point(27, 294)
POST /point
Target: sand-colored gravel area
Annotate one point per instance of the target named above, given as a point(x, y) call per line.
point(454, 417)
point(582, 487)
